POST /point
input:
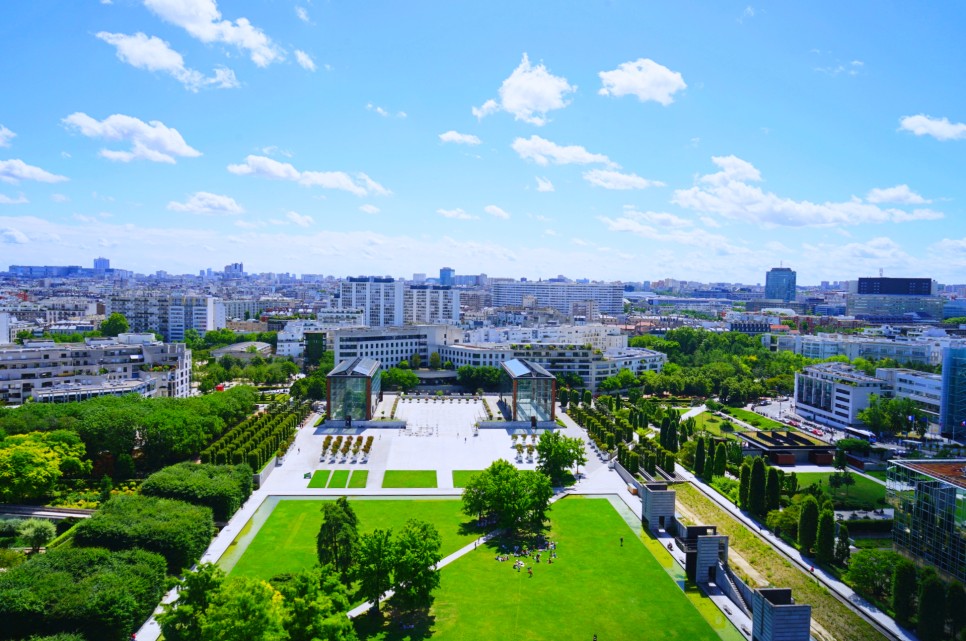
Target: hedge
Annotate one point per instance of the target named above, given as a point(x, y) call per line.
point(91, 591)
point(223, 488)
point(176, 530)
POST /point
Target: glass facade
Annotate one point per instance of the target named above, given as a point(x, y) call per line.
point(354, 389)
point(953, 403)
point(929, 501)
point(532, 389)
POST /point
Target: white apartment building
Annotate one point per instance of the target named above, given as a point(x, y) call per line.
point(49, 371)
point(5, 323)
point(608, 297)
point(602, 337)
point(925, 349)
point(381, 299)
point(170, 315)
point(390, 345)
point(834, 393)
point(291, 340)
point(431, 304)
point(923, 388)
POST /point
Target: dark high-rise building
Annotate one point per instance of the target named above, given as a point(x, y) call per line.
point(896, 286)
point(780, 284)
point(446, 276)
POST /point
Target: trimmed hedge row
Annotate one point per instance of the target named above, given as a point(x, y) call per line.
point(176, 530)
point(91, 591)
point(258, 438)
point(223, 488)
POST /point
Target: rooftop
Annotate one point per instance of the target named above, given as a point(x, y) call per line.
point(519, 368)
point(775, 439)
point(952, 471)
point(357, 367)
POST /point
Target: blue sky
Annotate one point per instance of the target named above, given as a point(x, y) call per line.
point(612, 140)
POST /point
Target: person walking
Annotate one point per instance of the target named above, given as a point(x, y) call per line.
point(622, 541)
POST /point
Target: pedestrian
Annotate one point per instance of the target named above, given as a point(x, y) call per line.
point(622, 541)
point(530, 571)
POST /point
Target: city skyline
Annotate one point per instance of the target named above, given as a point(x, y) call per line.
point(621, 141)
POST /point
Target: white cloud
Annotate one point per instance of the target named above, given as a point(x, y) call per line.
point(13, 171)
point(495, 211)
point(302, 14)
point(458, 138)
point(202, 20)
point(544, 184)
point(729, 194)
point(299, 219)
point(154, 54)
point(203, 202)
point(670, 229)
point(544, 152)
point(938, 128)
point(305, 60)
point(6, 136)
point(457, 214)
point(19, 200)
point(863, 257)
point(369, 209)
point(385, 113)
point(616, 180)
point(529, 94)
point(900, 194)
point(851, 68)
point(59, 198)
point(149, 141)
point(643, 78)
point(549, 232)
point(749, 12)
point(11, 236)
point(360, 185)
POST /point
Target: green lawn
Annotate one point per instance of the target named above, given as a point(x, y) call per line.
point(286, 542)
point(409, 478)
point(595, 586)
point(461, 478)
point(339, 479)
point(865, 491)
point(359, 478)
point(759, 421)
point(319, 478)
point(710, 423)
point(879, 474)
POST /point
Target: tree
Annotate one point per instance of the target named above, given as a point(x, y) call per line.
point(871, 570)
point(435, 361)
point(791, 483)
point(825, 537)
point(756, 491)
point(956, 607)
point(245, 609)
point(932, 609)
point(720, 460)
point(114, 324)
point(709, 464)
point(587, 397)
point(557, 453)
point(512, 498)
point(699, 457)
point(180, 620)
point(744, 485)
point(416, 576)
point(563, 397)
point(399, 378)
point(37, 532)
point(773, 489)
point(374, 571)
point(842, 546)
point(904, 589)
point(338, 539)
point(808, 524)
point(415, 361)
point(316, 603)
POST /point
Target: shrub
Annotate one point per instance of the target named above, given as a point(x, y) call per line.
point(91, 591)
point(178, 531)
point(223, 488)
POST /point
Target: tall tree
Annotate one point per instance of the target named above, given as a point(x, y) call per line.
point(842, 545)
point(825, 537)
point(756, 492)
point(699, 457)
point(114, 324)
point(181, 620)
point(557, 453)
point(720, 460)
point(932, 609)
point(773, 489)
point(245, 609)
point(904, 590)
point(316, 603)
point(711, 460)
point(338, 539)
point(435, 362)
point(563, 397)
point(808, 524)
point(956, 607)
point(374, 571)
point(744, 485)
point(416, 576)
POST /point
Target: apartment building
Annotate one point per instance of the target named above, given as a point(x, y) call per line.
point(834, 393)
point(49, 371)
point(431, 304)
point(380, 299)
point(608, 297)
point(390, 345)
point(170, 315)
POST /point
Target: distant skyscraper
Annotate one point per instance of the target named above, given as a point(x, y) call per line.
point(446, 275)
point(952, 412)
point(780, 284)
point(102, 264)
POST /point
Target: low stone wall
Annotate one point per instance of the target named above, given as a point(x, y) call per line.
point(260, 477)
point(627, 477)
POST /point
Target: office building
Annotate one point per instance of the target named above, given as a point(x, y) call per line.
point(780, 284)
point(447, 276)
point(894, 300)
point(927, 497)
point(390, 345)
point(101, 265)
point(952, 420)
point(55, 372)
point(380, 299)
point(608, 297)
point(924, 389)
point(834, 393)
point(431, 304)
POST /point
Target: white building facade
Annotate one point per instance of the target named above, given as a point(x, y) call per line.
point(609, 297)
point(834, 393)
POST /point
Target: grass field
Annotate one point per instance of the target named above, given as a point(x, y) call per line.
point(462, 477)
point(594, 586)
point(879, 474)
point(286, 542)
point(710, 423)
point(840, 622)
point(865, 491)
point(759, 421)
point(319, 478)
point(409, 478)
point(359, 478)
point(339, 479)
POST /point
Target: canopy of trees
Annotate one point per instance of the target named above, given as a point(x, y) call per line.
point(473, 378)
point(557, 453)
point(891, 415)
point(513, 499)
point(401, 379)
point(258, 370)
point(114, 324)
point(32, 463)
point(223, 488)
